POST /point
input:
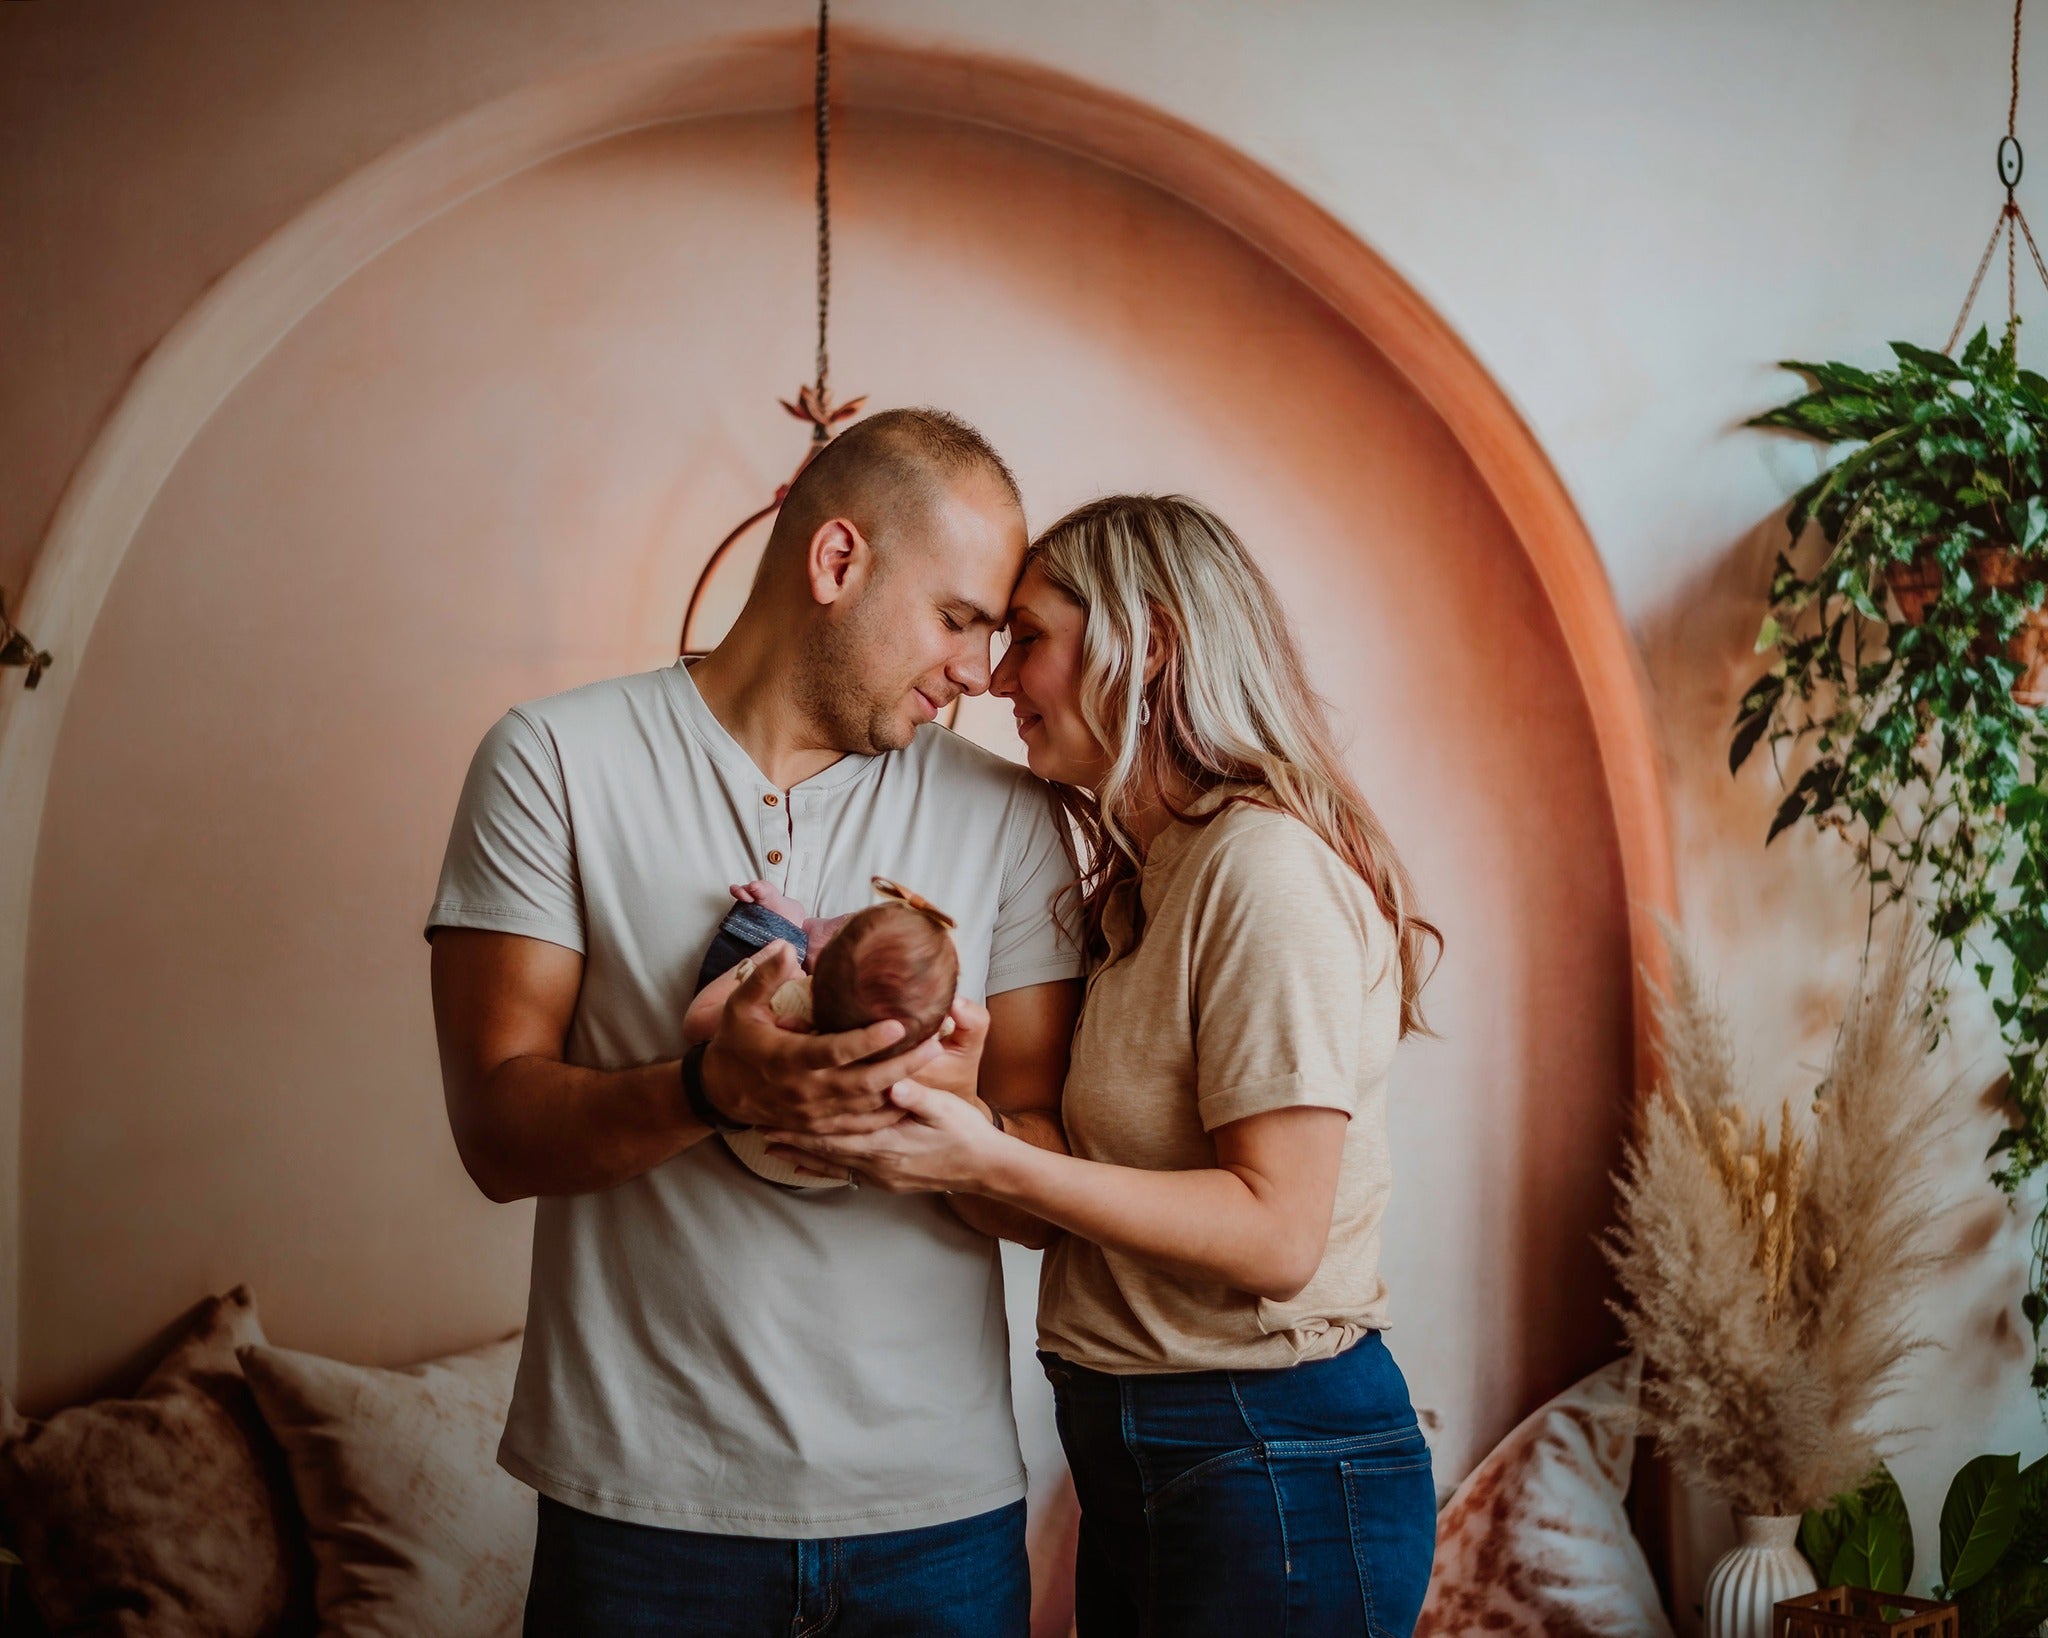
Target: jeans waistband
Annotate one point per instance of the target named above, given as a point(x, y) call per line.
point(1357, 1399)
point(1195, 1381)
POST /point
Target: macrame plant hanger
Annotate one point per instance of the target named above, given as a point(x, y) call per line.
point(2011, 225)
point(813, 401)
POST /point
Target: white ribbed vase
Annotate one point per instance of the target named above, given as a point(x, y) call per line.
point(1765, 1566)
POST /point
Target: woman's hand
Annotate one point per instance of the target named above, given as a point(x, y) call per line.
point(943, 1142)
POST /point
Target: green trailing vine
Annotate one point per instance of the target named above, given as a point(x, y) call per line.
point(1915, 564)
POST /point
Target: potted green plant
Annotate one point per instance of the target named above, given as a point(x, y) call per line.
point(1909, 651)
point(1994, 1544)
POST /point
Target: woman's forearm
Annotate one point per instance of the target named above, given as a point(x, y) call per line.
point(1006, 1222)
point(1214, 1224)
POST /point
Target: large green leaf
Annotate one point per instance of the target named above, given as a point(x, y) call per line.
point(1862, 1539)
point(2029, 1544)
point(1820, 1538)
point(1875, 1553)
point(1978, 1519)
point(2011, 1603)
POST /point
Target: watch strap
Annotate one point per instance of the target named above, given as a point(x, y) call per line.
point(698, 1097)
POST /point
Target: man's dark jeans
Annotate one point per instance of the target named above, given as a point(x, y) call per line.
point(602, 1578)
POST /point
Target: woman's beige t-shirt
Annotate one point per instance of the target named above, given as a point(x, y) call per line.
point(1265, 978)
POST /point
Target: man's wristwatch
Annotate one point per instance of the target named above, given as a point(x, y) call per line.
point(699, 1100)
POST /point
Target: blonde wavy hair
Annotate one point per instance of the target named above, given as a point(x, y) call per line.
point(1231, 704)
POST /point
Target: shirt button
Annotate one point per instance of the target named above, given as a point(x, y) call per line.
point(775, 855)
point(771, 799)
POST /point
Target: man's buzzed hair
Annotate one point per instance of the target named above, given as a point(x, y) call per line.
point(890, 466)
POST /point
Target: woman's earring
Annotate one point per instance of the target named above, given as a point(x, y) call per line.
point(1144, 712)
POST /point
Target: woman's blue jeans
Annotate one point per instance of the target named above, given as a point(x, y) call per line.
point(1285, 1503)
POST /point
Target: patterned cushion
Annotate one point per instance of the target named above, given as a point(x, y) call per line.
point(414, 1526)
point(168, 1514)
point(1535, 1542)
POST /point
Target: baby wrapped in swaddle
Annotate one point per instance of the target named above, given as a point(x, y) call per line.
point(892, 960)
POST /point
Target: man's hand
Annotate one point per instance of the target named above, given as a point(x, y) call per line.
point(764, 1075)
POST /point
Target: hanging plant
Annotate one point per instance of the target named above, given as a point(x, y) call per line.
point(1910, 665)
point(1910, 658)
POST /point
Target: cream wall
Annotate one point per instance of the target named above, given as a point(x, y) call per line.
point(1627, 210)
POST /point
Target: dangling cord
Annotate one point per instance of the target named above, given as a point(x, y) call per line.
point(814, 402)
point(822, 107)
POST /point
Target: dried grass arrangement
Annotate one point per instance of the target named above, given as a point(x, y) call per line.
point(1767, 1265)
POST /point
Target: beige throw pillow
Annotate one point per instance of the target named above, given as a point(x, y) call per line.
point(168, 1515)
point(414, 1526)
point(1536, 1543)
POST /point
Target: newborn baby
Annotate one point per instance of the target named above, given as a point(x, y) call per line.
point(892, 960)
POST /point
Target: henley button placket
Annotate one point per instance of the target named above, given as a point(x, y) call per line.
point(776, 820)
point(795, 882)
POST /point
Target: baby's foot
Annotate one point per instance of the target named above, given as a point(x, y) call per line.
point(770, 897)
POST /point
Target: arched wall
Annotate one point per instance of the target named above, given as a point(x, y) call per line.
point(1519, 522)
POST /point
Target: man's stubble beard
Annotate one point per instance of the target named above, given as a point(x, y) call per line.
point(835, 689)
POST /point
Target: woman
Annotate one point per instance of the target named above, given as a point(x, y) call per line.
point(1242, 1442)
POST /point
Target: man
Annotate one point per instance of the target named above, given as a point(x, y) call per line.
point(749, 1409)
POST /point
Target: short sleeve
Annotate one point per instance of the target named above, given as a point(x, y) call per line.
point(1295, 1001)
point(511, 860)
point(1034, 940)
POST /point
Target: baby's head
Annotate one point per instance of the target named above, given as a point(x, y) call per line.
point(890, 961)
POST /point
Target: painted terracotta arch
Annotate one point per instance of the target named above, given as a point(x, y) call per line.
point(222, 338)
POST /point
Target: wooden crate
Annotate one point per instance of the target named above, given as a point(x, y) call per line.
point(1856, 1612)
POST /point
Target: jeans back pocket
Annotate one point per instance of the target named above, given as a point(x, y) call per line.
point(1390, 1498)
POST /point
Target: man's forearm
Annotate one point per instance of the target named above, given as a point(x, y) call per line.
point(1004, 1222)
point(547, 1128)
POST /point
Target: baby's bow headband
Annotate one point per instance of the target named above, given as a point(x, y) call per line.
point(886, 889)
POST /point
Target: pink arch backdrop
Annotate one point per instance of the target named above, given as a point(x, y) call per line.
point(462, 434)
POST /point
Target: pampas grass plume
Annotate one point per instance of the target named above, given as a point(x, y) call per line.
point(1767, 1274)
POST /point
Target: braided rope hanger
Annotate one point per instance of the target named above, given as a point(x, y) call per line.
point(2012, 221)
point(813, 400)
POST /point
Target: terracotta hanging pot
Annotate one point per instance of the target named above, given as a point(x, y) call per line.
point(1915, 586)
